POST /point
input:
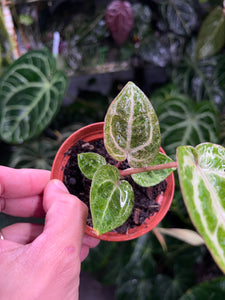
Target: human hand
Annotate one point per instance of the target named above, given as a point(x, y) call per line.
point(41, 262)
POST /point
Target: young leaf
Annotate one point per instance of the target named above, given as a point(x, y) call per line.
point(111, 200)
point(131, 129)
point(211, 37)
point(202, 179)
point(89, 162)
point(31, 92)
point(151, 178)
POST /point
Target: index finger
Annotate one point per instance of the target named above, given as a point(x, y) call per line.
point(18, 183)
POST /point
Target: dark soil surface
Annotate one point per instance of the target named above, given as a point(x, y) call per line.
point(145, 204)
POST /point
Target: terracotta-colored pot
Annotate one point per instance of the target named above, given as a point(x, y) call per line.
point(94, 132)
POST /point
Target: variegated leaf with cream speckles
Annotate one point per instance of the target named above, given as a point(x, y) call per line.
point(202, 178)
point(131, 128)
point(111, 200)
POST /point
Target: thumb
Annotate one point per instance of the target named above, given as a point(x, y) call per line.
point(66, 215)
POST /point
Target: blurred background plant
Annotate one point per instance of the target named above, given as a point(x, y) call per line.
point(174, 51)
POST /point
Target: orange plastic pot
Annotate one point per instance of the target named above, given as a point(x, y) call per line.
point(94, 132)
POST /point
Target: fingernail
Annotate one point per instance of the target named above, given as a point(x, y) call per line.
point(60, 185)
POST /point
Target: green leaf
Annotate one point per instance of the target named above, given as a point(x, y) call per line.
point(180, 15)
point(89, 162)
point(111, 200)
point(107, 260)
point(131, 128)
point(26, 20)
point(151, 178)
point(31, 92)
point(38, 154)
point(200, 79)
point(182, 121)
point(162, 50)
point(202, 179)
point(211, 36)
point(135, 279)
point(213, 290)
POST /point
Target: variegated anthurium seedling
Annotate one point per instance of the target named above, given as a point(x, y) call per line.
point(132, 133)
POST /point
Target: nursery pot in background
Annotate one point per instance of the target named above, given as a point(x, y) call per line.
point(94, 132)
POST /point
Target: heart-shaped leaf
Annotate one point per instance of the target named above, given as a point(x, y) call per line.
point(131, 129)
point(31, 92)
point(151, 178)
point(211, 36)
point(202, 178)
point(111, 200)
point(119, 19)
point(89, 162)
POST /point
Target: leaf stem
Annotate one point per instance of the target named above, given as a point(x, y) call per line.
point(131, 171)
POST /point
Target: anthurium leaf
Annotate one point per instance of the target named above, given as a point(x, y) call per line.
point(131, 129)
point(182, 121)
point(213, 290)
point(31, 92)
point(151, 178)
point(111, 200)
point(89, 162)
point(202, 180)
point(201, 79)
point(211, 36)
point(180, 15)
point(37, 154)
point(162, 50)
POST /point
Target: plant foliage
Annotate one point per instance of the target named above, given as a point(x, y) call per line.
point(180, 15)
point(202, 180)
point(131, 129)
point(211, 37)
point(31, 93)
point(119, 19)
point(182, 121)
point(215, 288)
point(200, 79)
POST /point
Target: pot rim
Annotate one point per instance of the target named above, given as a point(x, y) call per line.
point(86, 133)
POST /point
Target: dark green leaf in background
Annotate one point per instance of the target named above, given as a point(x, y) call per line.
point(135, 280)
point(182, 121)
point(162, 50)
point(31, 92)
point(201, 79)
point(38, 154)
point(180, 15)
point(107, 260)
point(213, 290)
point(211, 36)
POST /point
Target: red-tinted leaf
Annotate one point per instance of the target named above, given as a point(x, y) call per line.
point(119, 19)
